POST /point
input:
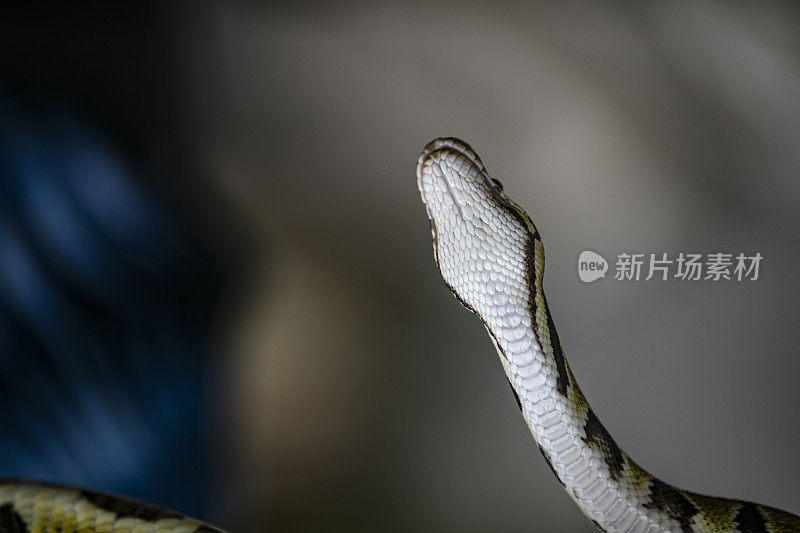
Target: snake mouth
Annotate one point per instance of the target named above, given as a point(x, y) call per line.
point(454, 185)
point(451, 144)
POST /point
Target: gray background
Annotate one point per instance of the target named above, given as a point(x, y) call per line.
point(358, 395)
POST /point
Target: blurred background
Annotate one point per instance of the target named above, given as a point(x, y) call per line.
point(217, 291)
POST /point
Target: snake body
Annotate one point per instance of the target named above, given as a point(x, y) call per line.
point(27, 507)
point(491, 257)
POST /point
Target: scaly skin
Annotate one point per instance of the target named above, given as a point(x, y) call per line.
point(27, 507)
point(491, 257)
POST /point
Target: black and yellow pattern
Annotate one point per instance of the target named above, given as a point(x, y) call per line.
point(42, 508)
point(656, 505)
point(693, 512)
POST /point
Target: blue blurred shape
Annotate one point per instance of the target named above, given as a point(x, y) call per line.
point(106, 298)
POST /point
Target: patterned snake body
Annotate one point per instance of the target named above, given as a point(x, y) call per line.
point(491, 257)
point(27, 507)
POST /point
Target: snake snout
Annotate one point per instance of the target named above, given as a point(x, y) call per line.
point(452, 180)
point(477, 234)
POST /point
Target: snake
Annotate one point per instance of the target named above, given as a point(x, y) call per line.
point(33, 507)
point(491, 257)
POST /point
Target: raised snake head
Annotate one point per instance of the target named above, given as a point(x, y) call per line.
point(482, 241)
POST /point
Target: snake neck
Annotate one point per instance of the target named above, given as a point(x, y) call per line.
point(605, 483)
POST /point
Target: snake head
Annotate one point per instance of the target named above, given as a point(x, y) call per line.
point(481, 239)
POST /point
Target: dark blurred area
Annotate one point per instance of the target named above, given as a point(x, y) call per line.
point(107, 287)
point(216, 285)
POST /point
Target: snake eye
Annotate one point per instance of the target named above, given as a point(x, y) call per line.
point(497, 183)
